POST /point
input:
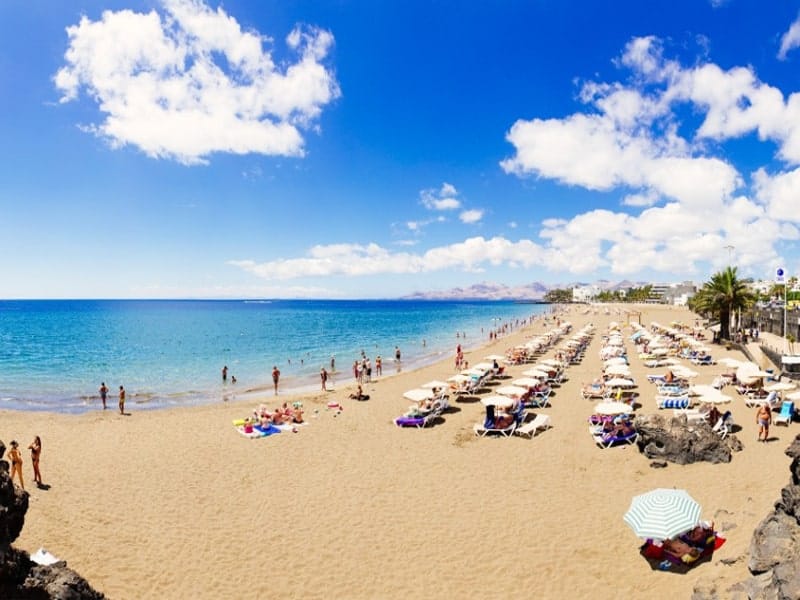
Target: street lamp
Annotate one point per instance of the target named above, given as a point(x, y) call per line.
point(730, 250)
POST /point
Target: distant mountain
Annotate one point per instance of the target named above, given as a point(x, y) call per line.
point(487, 290)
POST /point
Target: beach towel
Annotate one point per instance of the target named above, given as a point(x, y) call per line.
point(255, 433)
point(268, 430)
point(43, 557)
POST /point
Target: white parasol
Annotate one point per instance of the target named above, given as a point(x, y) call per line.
point(612, 408)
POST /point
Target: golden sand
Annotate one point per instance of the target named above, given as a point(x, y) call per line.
point(176, 504)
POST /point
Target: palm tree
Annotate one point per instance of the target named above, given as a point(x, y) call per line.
point(721, 297)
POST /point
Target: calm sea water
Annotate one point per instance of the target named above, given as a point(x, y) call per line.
point(54, 354)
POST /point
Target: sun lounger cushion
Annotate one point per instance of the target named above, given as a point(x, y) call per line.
point(674, 403)
point(409, 421)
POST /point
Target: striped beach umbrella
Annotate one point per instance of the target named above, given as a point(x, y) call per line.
point(662, 514)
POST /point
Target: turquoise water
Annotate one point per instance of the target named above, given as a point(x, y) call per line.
point(54, 354)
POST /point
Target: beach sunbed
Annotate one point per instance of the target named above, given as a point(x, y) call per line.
point(724, 425)
point(607, 440)
point(481, 430)
point(786, 414)
point(529, 429)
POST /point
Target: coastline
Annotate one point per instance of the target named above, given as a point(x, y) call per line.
point(169, 353)
point(174, 503)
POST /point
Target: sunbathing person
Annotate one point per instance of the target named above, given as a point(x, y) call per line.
point(359, 394)
point(700, 536)
point(503, 421)
point(681, 550)
point(623, 428)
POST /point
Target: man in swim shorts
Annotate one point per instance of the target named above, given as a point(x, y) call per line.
point(103, 394)
point(763, 418)
point(276, 375)
point(121, 400)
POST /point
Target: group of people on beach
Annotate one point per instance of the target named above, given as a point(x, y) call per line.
point(15, 456)
point(104, 397)
point(284, 414)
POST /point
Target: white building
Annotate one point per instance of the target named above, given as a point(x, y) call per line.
point(585, 293)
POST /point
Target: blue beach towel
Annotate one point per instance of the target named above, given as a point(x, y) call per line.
point(268, 430)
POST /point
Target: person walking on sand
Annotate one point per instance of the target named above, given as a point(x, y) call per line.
point(121, 400)
point(323, 376)
point(36, 452)
point(103, 394)
point(764, 419)
point(16, 463)
point(276, 375)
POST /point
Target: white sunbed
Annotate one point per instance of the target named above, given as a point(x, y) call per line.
point(530, 428)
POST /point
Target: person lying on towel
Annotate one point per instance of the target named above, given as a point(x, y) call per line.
point(681, 550)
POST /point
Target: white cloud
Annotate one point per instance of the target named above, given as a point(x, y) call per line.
point(632, 138)
point(790, 40)
point(190, 82)
point(471, 216)
point(358, 260)
point(445, 198)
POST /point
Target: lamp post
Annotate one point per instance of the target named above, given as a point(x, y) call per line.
point(780, 278)
point(730, 250)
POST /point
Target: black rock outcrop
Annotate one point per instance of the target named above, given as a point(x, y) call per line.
point(675, 440)
point(775, 547)
point(20, 577)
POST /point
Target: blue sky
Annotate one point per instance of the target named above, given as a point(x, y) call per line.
point(181, 148)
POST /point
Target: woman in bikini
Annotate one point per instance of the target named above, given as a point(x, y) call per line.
point(36, 452)
point(16, 462)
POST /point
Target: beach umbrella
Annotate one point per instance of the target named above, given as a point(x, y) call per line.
point(750, 371)
point(781, 386)
point(612, 408)
point(616, 360)
point(418, 395)
point(494, 357)
point(620, 382)
point(429, 385)
point(731, 362)
point(476, 372)
point(659, 351)
point(526, 381)
point(794, 396)
point(484, 366)
point(662, 514)
point(552, 362)
point(538, 373)
point(514, 391)
point(684, 372)
point(618, 370)
point(497, 400)
point(710, 394)
point(671, 360)
point(459, 378)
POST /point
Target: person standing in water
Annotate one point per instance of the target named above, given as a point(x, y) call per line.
point(36, 452)
point(276, 375)
point(224, 373)
point(16, 463)
point(121, 400)
point(103, 394)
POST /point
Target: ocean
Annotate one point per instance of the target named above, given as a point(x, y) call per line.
point(54, 354)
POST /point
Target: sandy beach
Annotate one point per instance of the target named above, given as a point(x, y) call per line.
point(177, 504)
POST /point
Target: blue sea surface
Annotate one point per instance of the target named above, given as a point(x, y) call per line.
point(55, 353)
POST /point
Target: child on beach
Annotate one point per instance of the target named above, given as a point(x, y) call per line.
point(16, 463)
